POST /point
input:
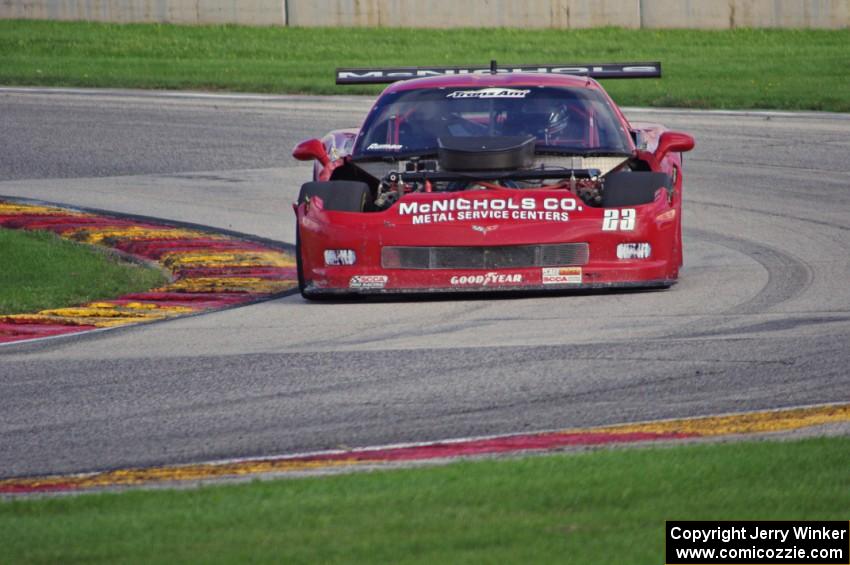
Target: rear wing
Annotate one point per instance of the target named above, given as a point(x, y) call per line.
point(593, 70)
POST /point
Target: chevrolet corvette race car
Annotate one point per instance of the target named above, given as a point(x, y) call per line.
point(473, 179)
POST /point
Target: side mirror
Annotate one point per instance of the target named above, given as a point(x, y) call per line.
point(673, 141)
point(311, 149)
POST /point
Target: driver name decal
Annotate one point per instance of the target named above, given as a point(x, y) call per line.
point(464, 209)
point(489, 93)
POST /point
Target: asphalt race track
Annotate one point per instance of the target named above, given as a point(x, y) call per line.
point(760, 319)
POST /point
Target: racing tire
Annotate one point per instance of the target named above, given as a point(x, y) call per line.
point(633, 188)
point(338, 195)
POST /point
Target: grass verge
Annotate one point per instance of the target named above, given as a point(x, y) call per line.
point(597, 507)
point(742, 68)
point(40, 270)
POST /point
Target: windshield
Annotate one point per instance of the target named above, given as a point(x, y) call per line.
point(565, 120)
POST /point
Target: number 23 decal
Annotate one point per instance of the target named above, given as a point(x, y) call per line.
point(623, 220)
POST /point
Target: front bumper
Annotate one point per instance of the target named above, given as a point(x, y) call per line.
point(360, 280)
point(370, 234)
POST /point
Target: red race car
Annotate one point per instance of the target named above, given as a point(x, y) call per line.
point(474, 179)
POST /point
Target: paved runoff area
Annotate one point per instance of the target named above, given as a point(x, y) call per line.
point(760, 320)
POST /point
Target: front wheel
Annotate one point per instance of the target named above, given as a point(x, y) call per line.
point(632, 188)
point(338, 195)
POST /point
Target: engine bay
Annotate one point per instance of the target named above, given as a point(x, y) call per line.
point(583, 176)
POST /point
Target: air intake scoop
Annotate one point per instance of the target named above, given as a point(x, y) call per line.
point(486, 153)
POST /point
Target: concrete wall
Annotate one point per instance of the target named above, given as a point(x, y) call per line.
point(567, 14)
point(248, 12)
point(724, 14)
point(465, 13)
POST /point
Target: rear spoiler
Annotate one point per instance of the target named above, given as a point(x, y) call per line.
point(593, 70)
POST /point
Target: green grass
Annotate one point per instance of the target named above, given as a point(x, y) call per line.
point(743, 68)
point(597, 507)
point(40, 270)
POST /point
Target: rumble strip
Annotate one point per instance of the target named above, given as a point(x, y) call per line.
point(210, 271)
point(747, 424)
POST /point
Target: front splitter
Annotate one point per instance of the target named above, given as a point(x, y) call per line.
point(657, 284)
